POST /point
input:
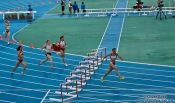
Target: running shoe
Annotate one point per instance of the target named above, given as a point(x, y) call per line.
point(102, 79)
point(122, 78)
point(65, 64)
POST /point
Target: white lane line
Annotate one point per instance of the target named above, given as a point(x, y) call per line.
point(146, 68)
point(38, 65)
point(137, 84)
point(153, 80)
point(21, 88)
point(122, 72)
point(19, 31)
point(21, 95)
point(45, 96)
point(30, 82)
point(39, 54)
point(5, 101)
point(105, 94)
point(141, 90)
point(101, 69)
point(142, 75)
point(32, 76)
point(33, 58)
point(105, 100)
point(170, 66)
point(58, 74)
point(123, 89)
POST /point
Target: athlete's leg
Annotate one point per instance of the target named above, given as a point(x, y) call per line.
point(5, 35)
point(8, 34)
point(109, 70)
point(51, 60)
point(62, 53)
point(24, 67)
point(16, 66)
point(117, 72)
point(44, 60)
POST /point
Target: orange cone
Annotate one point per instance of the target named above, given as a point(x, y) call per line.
point(0, 37)
point(13, 41)
point(31, 45)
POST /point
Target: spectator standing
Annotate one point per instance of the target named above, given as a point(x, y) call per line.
point(70, 7)
point(62, 6)
point(75, 7)
point(30, 8)
point(83, 7)
point(29, 15)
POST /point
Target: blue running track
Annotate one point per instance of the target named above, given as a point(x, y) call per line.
point(143, 82)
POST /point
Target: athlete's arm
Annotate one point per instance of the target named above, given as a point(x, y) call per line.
point(120, 57)
point(106, 56)
point(44, 46)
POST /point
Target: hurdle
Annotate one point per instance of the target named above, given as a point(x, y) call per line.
point(3, 13)
point(114, 11)
point(78, 78)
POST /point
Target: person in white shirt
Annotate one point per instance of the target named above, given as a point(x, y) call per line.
point(48, 47)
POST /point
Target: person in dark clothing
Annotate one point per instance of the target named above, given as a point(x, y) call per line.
point(83, 7)
point(75, 7)
point(30, 8)
point(29, 15)
point(62, 6)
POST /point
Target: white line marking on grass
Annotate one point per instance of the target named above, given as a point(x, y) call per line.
point(51, 9)
point(45, 96)
point(106, 28)
point(104, 32)
point(18, 32)
point(39, 48)
point(120, 33)
point(27, 26)
point(121, 29)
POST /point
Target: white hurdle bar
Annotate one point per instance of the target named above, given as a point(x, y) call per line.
point(18, 13)
point(104, 11)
